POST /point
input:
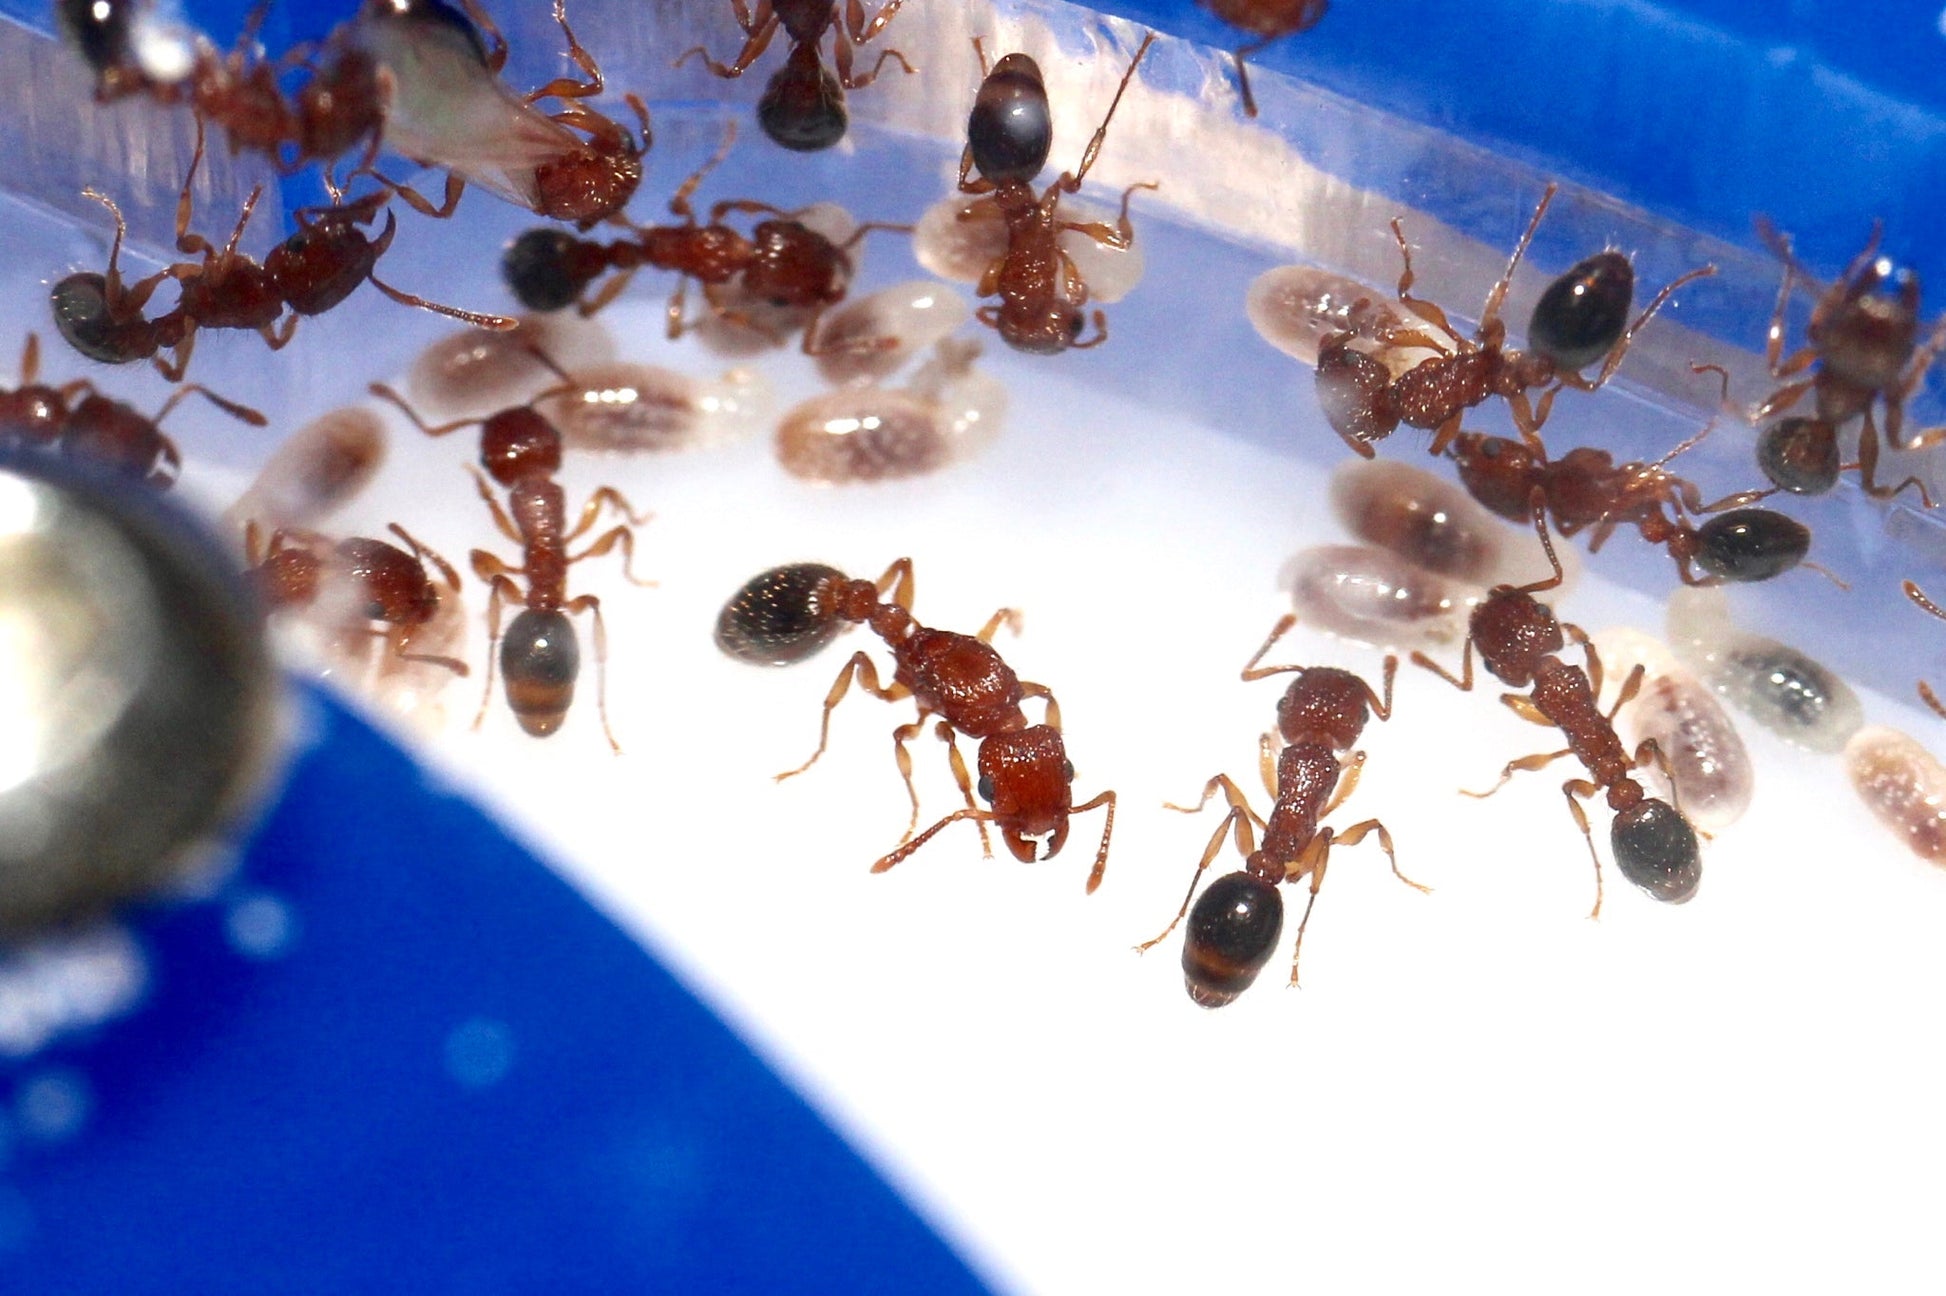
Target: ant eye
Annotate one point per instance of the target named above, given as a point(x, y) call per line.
point(1067, 770)
point(986, 789)
point(1075, 324)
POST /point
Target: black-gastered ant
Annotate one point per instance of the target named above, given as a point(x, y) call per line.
point(1363, 401)
point(1237, 922)
point(1267, 20)
point(1520, 639)
point(1008, 137)
point(803, 105)
point(369, 589)
point(1864, 351)
point(1025, 775)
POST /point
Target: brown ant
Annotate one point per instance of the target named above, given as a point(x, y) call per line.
point(376, 581)
point(539, 654)
point(782, 262)
point(322, 262)
point(1008, 137)
point(1237, 922)
point(1267, 20)
point(1519, 639)
point(1025, 775)
point(96, 429)
point(1865, 345)
point(1364, 402)
point(803, 106)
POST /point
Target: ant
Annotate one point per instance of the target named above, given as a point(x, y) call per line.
point(1240, 917)
point(1363, 402)
point(320, 264)
point(574, 164)
point(365, 580)
point(782, 262)
point(1025, 775)
point(97, 429)
point(539, 653)
point(803, 106)
point(1008, 138)
point(1918, 596)
point(1864, 344)
point(1520, 639)
point(1267, 20)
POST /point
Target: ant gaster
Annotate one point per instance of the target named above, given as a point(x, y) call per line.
point(1267, 20)
point(539, 653)
point(1008, 137)
point(1025, 775)
point(1364, 402)
point(1237, 922)
point(378, 582)
point(803, 106)
point(1520, 639)
point(1864, 343)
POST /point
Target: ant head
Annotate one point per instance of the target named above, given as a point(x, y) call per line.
point(540, 657)
point(1010, 130)
point(323, 262)
point(1582, 314)
point(392, 583)
point(1232, 931)
point(1750, 544)
point(1040, 326)
point(1499, 472)
point(1656, 849)
point(1026, 777)
point(803, 106)
point(85, 319)
point(1800, 455)
point(435, 17)
point(518, 444)
point(112, 435)
point(588, 184)
point(1352, 392)
point(339, 105)
point(547, 269)
point(781, 616)
point(1512, 630)
point(1867, 326)
point(1324, 703)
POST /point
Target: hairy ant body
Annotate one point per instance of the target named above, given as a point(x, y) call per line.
point(1520, 639)
point(1267, 20)
point(1364, 402)
point(1237, 922)
point(1025, 775)
point(322, 262)
point(382, 591)
point(803, 105)
point(82, 424)
point(1008, 137)
point(539, 653)
point(1863, 349)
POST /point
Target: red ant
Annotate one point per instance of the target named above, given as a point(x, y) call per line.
point(322, 262)
point(1519, 639)
point(574, 164)
point(96, 429)
point(803, 106)
point(782, 262)
point(539, 653)
point(365, 580)
point(1363, 402)
point(1864, 343)
point(1240, 917)
point(1008, 138)
point(1025, 774)
point(1268, 20)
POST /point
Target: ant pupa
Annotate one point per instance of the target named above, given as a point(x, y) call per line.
point(630, 408)
point(314, 471)
point(947, 411)
point(1787, 692)
point(1709, 767)
point(474, 371)
point(1903, 785)
point(870, 338)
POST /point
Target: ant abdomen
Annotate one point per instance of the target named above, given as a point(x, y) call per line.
point(1800, 455)
point(540, 657)
point(1656, 850)
point(1582, 314)
point(1751, 544)
point(1010, 130)
point(781, 616)
point(548, 269)
point(82, 315)
point(803, 106)
point(1233, 928)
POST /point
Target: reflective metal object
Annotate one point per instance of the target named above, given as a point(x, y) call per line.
point(136, 693)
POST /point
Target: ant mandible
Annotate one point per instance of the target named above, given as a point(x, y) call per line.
point(803, 105)
point(539, 653)
point(1863, 349)
point(1520, 639)
point(1008, 137)
point(1025, 775)
point(1363, 402)
point(1267, 20)
point(1240, 917)
point(96, 429)
point(320, 264)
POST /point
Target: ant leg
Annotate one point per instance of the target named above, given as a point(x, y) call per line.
point(757, 40)
point(277, 338)
point(497, 323)
point(590, 603)
point(897, 580)
point(962, 777)
point(241, 413)
point(1008, 617)
point(1252, 671)
point(1576, 790)
point(1357, 833)
point(1425, 310)
point(1245, 843)
point(1620, 349)
point(1243, 76)
point(425, 554)
point(1349, 772)
point(1029, 689)
point(1868, 451)
point(1107, 831)
point(619, 502)
point(1101, 132)
point(861, 31)
point(1537, 501)
point(385, 393)
point(122, 302)
point(1462, 681)
point(1926, 605)
point(1539, 760)
point(860, 668)
point(1490, 313)
point(455, 186)
point(1101, 334)
point(892, 860)
point(178, 364)
point(1119, 234)
point(624, 538)
point(187, 243)
point(568, 87)
point(679, 204)
point(1231, 793)
point(607, 293)
point(858, 81)
point(1269, 745)
point(500, 518)
point(500, 576)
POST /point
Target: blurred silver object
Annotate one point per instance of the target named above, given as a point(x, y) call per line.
point(137, 697)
